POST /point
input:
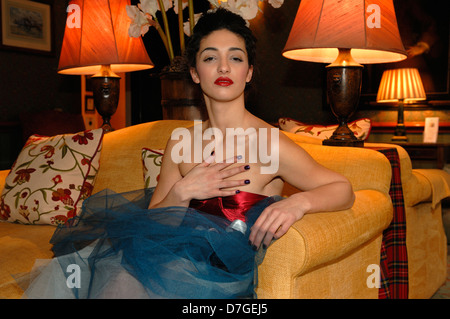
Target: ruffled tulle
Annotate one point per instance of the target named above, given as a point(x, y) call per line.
point(118, 248)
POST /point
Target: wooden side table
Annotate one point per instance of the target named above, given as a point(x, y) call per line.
point(434, 152)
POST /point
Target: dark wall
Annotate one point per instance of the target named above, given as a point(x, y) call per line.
point(30, 82)
point(285, 87)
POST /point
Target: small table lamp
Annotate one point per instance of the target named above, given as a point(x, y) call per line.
point(348, 33)
point(96, 41)
point(402, 86)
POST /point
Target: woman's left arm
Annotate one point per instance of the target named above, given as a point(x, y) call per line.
point(322, 190)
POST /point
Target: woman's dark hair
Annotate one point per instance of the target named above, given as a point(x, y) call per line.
point(220, 19)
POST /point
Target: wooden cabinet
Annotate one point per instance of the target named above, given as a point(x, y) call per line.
point(434, 154)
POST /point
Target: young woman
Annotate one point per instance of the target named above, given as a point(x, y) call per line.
point(221, 54)
point(198, 233)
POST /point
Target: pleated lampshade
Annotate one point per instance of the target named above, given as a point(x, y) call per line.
point(101, 38)
point(401, 84)
point(368, 28)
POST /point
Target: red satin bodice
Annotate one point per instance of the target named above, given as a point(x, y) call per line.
point(231, 207)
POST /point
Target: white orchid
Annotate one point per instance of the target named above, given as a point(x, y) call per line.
point(139, 24)
point(187, 25)
point(184, 4)
point(143, 16)
point(247, 9)
point(276, 3)
point(149, 6)
point(146, 10)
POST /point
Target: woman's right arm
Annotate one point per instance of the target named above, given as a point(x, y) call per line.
point(166, 194)
point(205, 180)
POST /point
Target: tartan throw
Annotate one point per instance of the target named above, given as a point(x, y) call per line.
point(393, 257)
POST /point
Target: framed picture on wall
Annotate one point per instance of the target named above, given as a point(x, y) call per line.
point(425, 31)
point(26, 26)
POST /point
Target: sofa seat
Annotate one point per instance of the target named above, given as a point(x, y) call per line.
point(20, 247)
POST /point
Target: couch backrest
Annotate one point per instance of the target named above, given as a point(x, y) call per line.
point(120, 160)
point(365, 168)
point(121, 165)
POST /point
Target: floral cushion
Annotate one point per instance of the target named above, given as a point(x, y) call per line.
point(361, 128)
point(51, 177)
point(151, 162)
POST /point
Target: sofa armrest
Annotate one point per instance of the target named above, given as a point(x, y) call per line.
point(438, 182)
point(321, 238)
point(364, 168)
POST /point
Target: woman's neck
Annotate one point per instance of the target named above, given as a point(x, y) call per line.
point(223, 115)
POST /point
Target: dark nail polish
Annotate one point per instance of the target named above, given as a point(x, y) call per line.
point(212, 153)
point(264, 246)
point(247, 181)
point(238, 191)
point(247, 167)
point(254, 248)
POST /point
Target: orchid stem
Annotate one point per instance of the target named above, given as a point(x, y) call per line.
point(191, 15)
point(180, 25)
point(163, 36)
point(167, 31)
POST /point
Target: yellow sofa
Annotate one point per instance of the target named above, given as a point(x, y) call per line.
point(324, 255)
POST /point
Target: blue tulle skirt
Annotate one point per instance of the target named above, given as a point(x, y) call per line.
point(118, 248)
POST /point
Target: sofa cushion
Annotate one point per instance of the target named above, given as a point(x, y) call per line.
point(361, 128)
point(151, 163)
point(51, 177)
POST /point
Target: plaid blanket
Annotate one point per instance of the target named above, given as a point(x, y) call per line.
point(394, 258)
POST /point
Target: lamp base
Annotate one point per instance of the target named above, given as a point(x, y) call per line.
point(399, 138)
point(349, 143)
point(106, 89)
point(344, 77)
point(400, 130)
point(343, 136)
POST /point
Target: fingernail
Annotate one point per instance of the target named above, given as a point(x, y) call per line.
point(247, 167)
point(254, 248)
point(264, 246)
point(247, 181)
point(238, 191)
point(212, 153)
point(239, 157)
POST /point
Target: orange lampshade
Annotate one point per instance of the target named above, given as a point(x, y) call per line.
point(369, 28)
point(98, 35)
point(401, 84)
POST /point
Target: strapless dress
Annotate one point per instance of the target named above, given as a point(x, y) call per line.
point(118, 248)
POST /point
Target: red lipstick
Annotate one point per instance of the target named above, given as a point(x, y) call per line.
point(223, 81)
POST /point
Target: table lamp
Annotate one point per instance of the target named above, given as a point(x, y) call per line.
point(345, 33)
point(96, 42)
point(402, 86)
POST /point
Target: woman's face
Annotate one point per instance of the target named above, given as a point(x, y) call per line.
point(222, 68)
